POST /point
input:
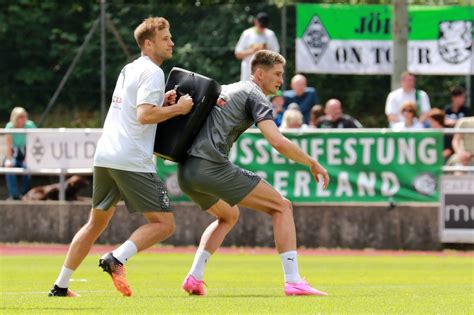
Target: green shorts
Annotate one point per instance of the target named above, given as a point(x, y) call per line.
point(205, 182)
point(142, 192)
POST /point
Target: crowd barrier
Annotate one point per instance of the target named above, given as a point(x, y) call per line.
point(62, 159)
point(370, 169)
point(63, 152)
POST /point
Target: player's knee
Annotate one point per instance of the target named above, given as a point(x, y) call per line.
point(234, 215)
point(95, 227)
point(284, 206)
point(231, 216)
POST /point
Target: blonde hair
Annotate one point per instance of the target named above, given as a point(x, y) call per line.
point(291, 116)
point(148, 28)
point(410, 106)
point(266, 59)
point(16, 113)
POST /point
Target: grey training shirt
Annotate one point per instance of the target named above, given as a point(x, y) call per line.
point(239, 106)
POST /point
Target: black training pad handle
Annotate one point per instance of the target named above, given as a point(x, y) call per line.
point(175, 136)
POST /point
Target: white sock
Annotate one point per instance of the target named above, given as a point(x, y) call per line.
point(64, 278)
point(199, 263)
point(125, 251)
point(289, 260)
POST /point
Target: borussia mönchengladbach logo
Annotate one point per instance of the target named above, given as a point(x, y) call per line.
point(316, 38)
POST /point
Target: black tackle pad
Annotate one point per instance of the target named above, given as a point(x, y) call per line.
point(175, 136)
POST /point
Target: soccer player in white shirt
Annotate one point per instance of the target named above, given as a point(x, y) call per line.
point(123, 164)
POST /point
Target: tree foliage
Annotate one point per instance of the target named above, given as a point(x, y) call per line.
point(40, 39)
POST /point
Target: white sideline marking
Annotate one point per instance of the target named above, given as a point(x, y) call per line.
point(79, 280)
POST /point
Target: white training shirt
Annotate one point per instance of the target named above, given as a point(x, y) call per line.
point(397, 97)
point(125, 143)
point(251, 37)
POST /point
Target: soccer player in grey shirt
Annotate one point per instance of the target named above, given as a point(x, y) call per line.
point(218, 186)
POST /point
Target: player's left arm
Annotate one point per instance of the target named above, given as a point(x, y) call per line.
point(290, 150)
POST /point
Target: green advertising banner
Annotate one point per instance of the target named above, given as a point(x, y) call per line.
point(357, 39)
point(363, 166)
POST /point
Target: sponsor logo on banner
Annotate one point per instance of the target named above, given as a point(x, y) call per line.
point(425, 184)
point(316, 38)
point(457, 209)
point(37, 150)
point(61, 150)
point(358, 39)
point(172, 185)
point(455, 41)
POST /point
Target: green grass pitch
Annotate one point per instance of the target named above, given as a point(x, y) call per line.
point(244, 283)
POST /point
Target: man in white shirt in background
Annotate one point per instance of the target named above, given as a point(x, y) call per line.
point(123, 162)
point(407, 92)
point(254, 39)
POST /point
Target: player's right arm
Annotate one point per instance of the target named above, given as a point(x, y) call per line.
point(290, 150)
point(151, 114)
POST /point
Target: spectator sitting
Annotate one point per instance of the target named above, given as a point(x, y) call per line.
point(436, 119)
point(302, 95)
point(463, 144)
point(254, 39)
point(277, 102)
point(409, 117)
point(335, 118)
point(317, 111)
point(456, 109)
point(292, 119)
point(294, 106)
point(16, 152)
point(407, 92)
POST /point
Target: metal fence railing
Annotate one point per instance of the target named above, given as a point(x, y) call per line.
point(63, 172)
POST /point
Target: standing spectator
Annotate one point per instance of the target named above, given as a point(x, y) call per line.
point(409, 118)
point(463, 144)
point(456, 109)
point(407, 92)
point(277, 103)
point(302, 95)
point(335, 118)
point(16, 152)
point(436, 119)
point(317, 111)
point(254, 39)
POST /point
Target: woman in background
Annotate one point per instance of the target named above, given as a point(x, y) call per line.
point(409, 114)
point(16, 152)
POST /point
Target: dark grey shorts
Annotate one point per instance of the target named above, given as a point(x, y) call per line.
point(205, 182)
point(142, 192)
